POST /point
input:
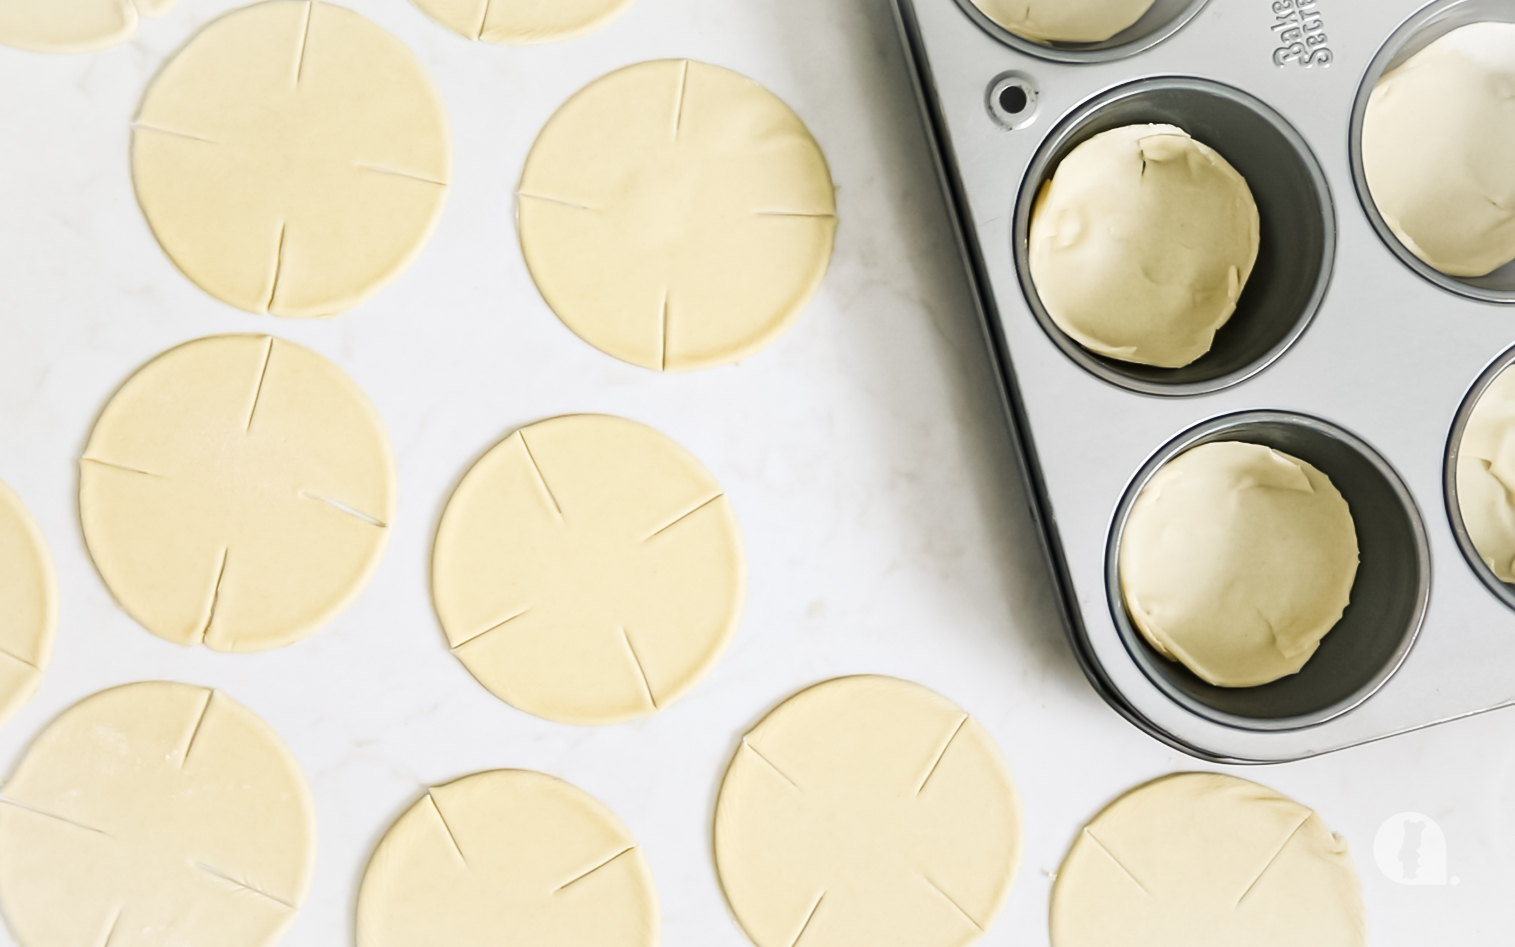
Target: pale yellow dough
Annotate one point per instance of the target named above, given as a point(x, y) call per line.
point(677, 215)
point(588, 570)
point(1141, 244)
point(1436, 144)
point(28, 604)
point(1485, 473)
point(1064, 21)
point(293, 158)
point(155, 815)
point(73, 26)
point(237, 492)
point(523, 22)
point(1236, 560)
point(867, 810)
point(507, 856)
point(1205, 860)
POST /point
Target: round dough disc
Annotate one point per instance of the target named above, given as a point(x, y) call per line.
point(1141, 244)
point(588, 570)
point(511, 851)
point(293, 158)
point(1064, 21)
point(1485, 464)
point(1205, 860)
point(73, 26)
point(677, 215)
point(1436, 141)
point(1236, 560)
point(155, 814)
point(236, 492)
point(523, 22)
point(28, 604)
point(867, 810)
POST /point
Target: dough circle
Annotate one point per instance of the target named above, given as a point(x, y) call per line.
point(73, 26)
point(588, 570)
point(508, 851)
point(155, 814)
point(235, 492)
point(1485, 464)
point(523, 22)
point(1141, 244)
point(1436, 141)
point(677, 215)
point(1237, 560)
point(1064, 21)
point(1206, 860)
point(867, 810)
point(28, 604)
point(293, 158)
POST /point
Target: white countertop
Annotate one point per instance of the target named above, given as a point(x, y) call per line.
point(865, 454)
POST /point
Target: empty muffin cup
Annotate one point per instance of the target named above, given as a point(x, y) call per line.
point(1388, 599)
point(1297, 225)
point(1456, 448)
point(1162, 20)
point(1429, 24)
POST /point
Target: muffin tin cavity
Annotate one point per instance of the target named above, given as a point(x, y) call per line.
point(1165, 18)
point(1429, 24)
point(1298, 225)
point(1502, 590)
point(1389, 596)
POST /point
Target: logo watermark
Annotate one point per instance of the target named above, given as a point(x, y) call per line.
point(1411, 849)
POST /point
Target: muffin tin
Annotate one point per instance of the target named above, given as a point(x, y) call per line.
point(1345, 350)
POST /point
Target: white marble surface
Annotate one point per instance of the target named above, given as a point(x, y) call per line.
point(864, 453)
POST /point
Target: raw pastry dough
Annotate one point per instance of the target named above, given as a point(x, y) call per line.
point(588, 570)
point(1141, 244)
point(1485, 471)
point(523, 22)
point(1064, 21)
point(867, 810)
point(155, 815)
point(292, 159)
point(28, 604)
point(1237, 559)
point(677, 215)
point(508, 856)
point(1436, 144)
point(236, 492)
point(1205, 860)
point(73, 26)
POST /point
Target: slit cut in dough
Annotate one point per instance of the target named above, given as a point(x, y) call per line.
point(867, 810)
point(588, 570)
point(73, 26)
point(1141, 244)
point(1064, 21)
point(1236, 560)
point(676, 215)
point(28, 604)
point(1486, 473)
point(237, 492)
point(523, 22)
point(155, 815)
point(507, 856)
point(293, 158)
point(1207, 860)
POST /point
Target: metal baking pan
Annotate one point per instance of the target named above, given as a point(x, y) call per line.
point(1345, 350)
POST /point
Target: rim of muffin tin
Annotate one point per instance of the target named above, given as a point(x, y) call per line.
point(1315, 210)
point(1501, 589)
point(1428, 24)
point(1163, 19)
point(1287, 704)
